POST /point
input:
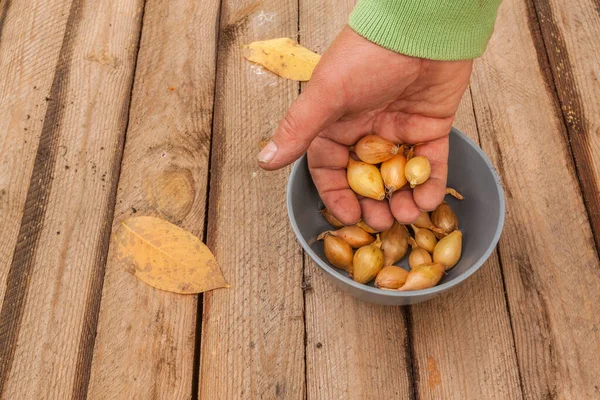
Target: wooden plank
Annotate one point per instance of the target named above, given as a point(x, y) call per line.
point(30, 43)
point(146, 337)
point(353, 349)
point(548, 257)
point(252, 334)
point(53, 286)
point(570, 34)
point(462, 340)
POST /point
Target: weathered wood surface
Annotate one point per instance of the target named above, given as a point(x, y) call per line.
point(571, 42)
point(525, 325)
point(353, 349)
point(451, 358)
point(48, 316)
point(146, 338)
point(252, 334)
point(547, 251)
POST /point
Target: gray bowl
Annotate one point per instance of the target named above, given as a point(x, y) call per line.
point(481, 216)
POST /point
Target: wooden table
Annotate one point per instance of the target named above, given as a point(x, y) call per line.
point(112, 108)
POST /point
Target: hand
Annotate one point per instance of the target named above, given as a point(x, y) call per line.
point(359, 88)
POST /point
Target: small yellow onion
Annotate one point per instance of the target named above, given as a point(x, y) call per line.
point(365, 179)
point(425, 222)
point(331, 219)
point(425, 238)
point(338, 253)
point(374, 149)
point(394, 243)
point(448, 250)
point(454, 193)
point(418, 256)
point(353, 235)
point(391, 277)
point(392, 173)
point(423, 277)
point(362, 224)
point(417, 170)
point(367, 262)
point(444, 218)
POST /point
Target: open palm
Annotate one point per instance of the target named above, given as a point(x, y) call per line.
point(360, 88)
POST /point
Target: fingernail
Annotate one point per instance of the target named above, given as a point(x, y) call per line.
point(267, 153)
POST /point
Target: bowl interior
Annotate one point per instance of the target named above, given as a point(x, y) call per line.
point(480, 214)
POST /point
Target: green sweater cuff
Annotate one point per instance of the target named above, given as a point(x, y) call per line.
point(433, 29)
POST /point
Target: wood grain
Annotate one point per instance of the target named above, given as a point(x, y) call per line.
point(547, 251)
point(29, 51)
point(252, 334)
point(54, 281)
point(570, 41)
point(146, 337)
point(462, 340)
point(353, 349)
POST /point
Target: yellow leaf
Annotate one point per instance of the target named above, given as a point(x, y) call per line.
point(283, 57)
point(167, 257)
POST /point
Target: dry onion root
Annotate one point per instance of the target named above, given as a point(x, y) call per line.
point(454, 193)
point(353, 235)
point(373, 149)
point(365, 179)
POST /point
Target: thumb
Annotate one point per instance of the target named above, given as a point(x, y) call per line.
point(314, 109)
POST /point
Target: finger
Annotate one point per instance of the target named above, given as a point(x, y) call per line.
point(314, 109)
point(431, 193)
point(411, 128)
point(376, 214)
point(403, 207)
point(327, 161)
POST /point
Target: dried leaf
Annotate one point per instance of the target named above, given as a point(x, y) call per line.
point(167, 257)
point(283, 57)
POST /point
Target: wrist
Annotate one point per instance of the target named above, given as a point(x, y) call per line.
point(433, 29)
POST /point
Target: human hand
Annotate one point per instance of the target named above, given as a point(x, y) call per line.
point(360, 88)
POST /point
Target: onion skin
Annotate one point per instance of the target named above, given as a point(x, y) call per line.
point(353, 235)
point(425, 222)
point(363, 225)
point(418, 256)
point(444, 218)
point(423, 277)
point(425, 238)
point(391, 277)
point(448, 250)
point(394, 244)
point(365, 179)
point(367, 263)
point(338, 253)
point(392, 173)
point(373, 149)
point(331, 219)
point(417, 170)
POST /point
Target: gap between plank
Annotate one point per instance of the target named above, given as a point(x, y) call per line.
point(413, 369)
point(87, 339)
point(497, 251)
point(565, 124)
point(3, 12)
point(200, 300)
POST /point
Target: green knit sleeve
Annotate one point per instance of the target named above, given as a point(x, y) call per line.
point(433, 29)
